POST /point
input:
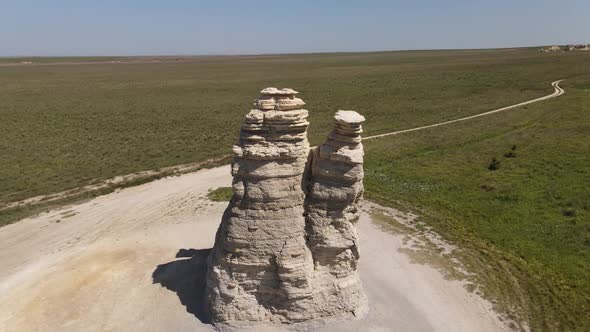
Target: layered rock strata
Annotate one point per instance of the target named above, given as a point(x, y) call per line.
point(334, 190)
point(262, 267)
point(260, 264)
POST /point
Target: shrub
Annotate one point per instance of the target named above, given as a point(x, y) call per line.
point(511, 153)
point(569, 212)
point(221, 194)
point(494, 164)
point(488, 187)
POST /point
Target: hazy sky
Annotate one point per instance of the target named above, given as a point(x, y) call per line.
point(142, 27)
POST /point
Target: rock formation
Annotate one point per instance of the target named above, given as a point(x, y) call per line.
point(282, 253)
point(333, 192)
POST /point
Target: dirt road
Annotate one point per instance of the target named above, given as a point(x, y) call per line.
point(133, 260)
point(557, 91)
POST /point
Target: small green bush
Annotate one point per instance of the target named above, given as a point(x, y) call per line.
point(221, 194)
point(488, 187)
point(511, 153)
point(569, 212)
point(494, 164)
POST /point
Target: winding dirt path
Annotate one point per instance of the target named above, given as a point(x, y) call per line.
point(556, 93)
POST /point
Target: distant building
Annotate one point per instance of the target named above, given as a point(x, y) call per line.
point(570, 47)
point(578, 47)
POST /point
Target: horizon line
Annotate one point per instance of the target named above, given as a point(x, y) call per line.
point(277, 53)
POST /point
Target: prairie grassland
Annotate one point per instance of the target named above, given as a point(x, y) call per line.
point(525, 228)
point(64, 126)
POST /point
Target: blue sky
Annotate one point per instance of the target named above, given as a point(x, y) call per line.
point(133, 27)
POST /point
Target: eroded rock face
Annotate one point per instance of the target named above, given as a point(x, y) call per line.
point(333, 192)
point(286, 247)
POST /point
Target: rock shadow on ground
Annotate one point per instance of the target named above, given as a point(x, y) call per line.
point(187, 278)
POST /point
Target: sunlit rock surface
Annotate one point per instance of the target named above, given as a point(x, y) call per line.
point(286, 249)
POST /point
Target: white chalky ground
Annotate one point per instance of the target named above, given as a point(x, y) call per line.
point(110, 264)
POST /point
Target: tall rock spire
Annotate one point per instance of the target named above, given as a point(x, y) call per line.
point(335, 187)
point(260, 264)
point(263, 266)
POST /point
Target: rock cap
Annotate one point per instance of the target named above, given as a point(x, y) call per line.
point(288, 91)
point(348, 117)
point(271, 91)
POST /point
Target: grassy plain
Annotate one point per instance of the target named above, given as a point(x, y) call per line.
point(64, 126)
point(526, 226)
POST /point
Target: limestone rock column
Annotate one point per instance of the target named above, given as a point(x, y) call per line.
point(335, 188)
point(286, 249)
point(260, 268)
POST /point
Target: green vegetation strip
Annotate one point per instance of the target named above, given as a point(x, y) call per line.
point(221, 194)
point(14, 213)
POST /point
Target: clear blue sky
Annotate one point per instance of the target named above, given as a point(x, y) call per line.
point(146, 27)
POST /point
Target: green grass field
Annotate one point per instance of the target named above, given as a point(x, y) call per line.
point(64, 126)
point(524, 227)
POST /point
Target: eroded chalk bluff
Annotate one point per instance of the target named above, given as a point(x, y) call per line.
point(287, 250)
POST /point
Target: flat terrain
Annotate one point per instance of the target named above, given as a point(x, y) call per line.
point(67, 125)
point(131, 261)
point(523, 229)
point(529, 220)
